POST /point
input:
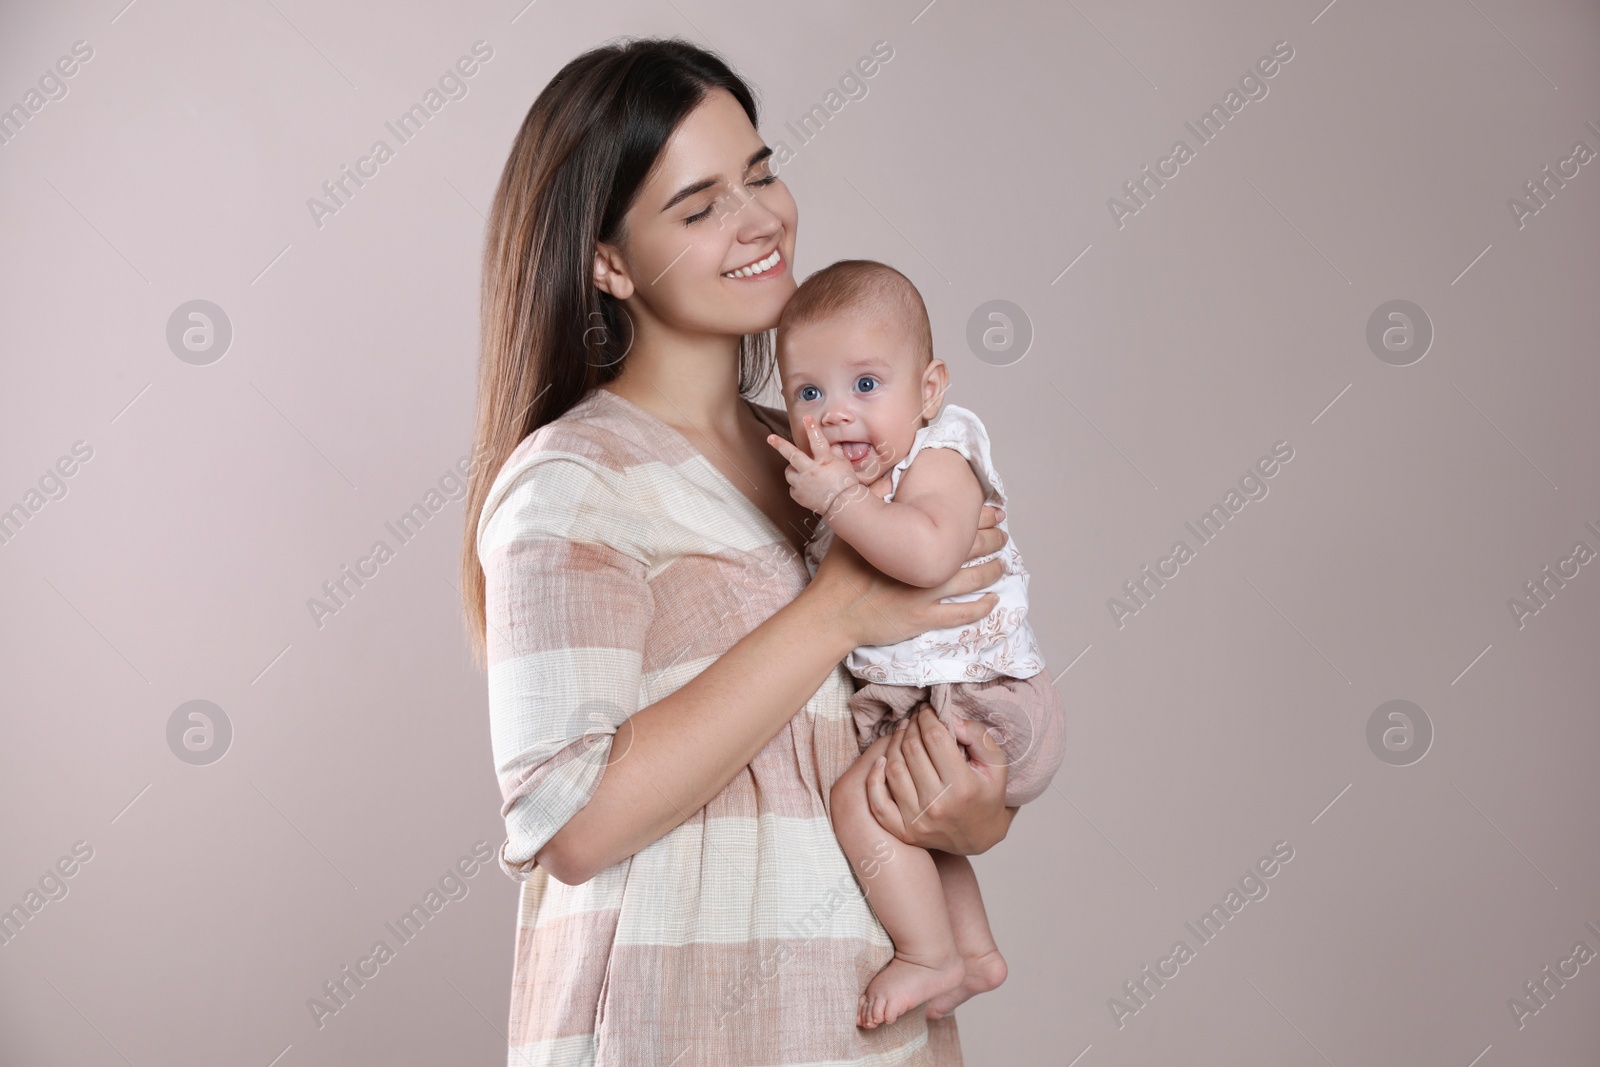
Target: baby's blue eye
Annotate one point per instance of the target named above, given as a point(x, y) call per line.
point(866, 378)
point(804, 389)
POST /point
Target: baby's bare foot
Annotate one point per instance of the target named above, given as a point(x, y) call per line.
point(983, 973)
point(902, 985)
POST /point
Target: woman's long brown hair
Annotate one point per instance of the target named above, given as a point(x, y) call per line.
point(548, 334)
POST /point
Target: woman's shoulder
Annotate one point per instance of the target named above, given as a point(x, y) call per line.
point(594, 429)
point(574, 471)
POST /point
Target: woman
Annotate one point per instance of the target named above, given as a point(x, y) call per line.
point(667, 699)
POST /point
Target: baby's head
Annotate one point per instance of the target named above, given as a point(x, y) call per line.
point(855, 352)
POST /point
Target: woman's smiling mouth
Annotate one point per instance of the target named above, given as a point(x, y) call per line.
point(761, 268)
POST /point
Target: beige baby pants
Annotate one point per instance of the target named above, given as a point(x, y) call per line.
point(1024, 716)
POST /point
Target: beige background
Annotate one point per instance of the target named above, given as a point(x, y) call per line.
point(1228, 314)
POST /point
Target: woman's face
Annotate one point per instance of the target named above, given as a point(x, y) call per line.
point(711, 206)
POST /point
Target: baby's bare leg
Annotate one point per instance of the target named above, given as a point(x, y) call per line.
point(903, 887)
point(984, 967)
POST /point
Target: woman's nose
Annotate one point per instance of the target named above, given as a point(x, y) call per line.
point(755, 220)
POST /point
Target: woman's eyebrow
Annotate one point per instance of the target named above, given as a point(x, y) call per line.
point(689, 190)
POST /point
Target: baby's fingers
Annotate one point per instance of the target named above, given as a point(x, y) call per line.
point(819, 443)
point(794, 455)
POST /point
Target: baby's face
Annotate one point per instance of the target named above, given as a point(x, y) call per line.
point(858, 378)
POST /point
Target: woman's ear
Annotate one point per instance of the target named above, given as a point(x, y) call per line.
point(610, 272)
point(935, 379)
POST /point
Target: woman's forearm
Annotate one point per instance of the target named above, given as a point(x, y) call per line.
point(671, 757)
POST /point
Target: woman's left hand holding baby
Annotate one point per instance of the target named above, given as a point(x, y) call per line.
point(927, 792)
point(823, 481)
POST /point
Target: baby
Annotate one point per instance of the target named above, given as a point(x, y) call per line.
point(855, 355)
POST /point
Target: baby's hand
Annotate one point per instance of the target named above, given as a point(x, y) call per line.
point(822, 480)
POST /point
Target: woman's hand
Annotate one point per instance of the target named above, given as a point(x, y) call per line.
point(927, 793)
point(875, 609)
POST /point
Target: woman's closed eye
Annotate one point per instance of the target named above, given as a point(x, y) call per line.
point(698, 215)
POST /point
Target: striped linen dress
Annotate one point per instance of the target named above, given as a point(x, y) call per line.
point(620, 563)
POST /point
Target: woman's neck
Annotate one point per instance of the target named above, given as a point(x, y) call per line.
point(686, 385)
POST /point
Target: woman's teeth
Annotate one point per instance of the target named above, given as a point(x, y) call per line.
point(759, 267)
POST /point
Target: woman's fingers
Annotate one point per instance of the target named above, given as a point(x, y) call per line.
point(970, 579)
point(985, 750)
point(879, 801)
point(962, 732)
point(990, 516)
point(944, 754)
point(902, 789)
point(924, 734)
point(991, 539)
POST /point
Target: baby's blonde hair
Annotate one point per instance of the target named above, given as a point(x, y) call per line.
point(866, 287)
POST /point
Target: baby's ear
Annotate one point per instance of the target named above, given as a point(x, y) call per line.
point(935, 380)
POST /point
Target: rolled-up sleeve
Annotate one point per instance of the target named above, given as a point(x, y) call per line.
point(568, 606)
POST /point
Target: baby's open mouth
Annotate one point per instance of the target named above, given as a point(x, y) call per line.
point(856, 451)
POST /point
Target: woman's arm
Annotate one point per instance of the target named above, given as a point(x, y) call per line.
point(671, 757)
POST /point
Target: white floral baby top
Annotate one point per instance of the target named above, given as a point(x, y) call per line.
point(1001, 643)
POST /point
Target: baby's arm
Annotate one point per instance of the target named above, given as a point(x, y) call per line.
point(924, 535)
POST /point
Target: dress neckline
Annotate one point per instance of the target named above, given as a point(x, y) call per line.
point(694, 451)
